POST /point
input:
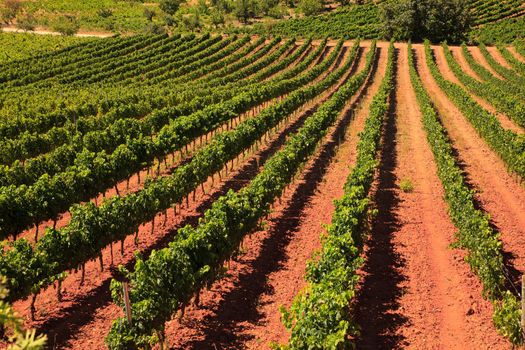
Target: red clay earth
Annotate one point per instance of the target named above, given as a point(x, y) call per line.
point(416, 292)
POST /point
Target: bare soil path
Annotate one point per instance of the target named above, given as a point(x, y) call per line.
point(416, 292)
point(498, 193)
point(81, 34)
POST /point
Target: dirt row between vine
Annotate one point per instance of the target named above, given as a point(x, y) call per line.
point(84, 307)
point(499, 193)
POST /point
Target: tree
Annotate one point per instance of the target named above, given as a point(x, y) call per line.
point(264, 6)
point(437, 20)
point(311, 7)
point(203, 8)
point(277, 11)
point(170, 6)
point(66, 25)
point(105, 12)
point(193, 21)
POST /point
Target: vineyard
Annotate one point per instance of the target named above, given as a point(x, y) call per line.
point(254, 191)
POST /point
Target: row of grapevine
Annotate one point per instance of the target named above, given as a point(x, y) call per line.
point(131, 109)
point(332, 274)
point(114, 135)
point(150, 67)
point(65, 57)
point(515, 63)
point(93, 172)
point(487, 90)
point(41, 122)
point(92, 228)
point(504, 95)
point(42, 74)
point(347, 22)
point(485, 11)
point(173, 45)
point(475, 232)
point(194, 257)
point(509, 146)
point(503, 31)
point(30, 145)
point(520, 47)
point(508, 74)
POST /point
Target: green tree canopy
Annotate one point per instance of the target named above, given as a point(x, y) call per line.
point(436, 20)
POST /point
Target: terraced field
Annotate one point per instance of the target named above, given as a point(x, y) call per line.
point(195, 174)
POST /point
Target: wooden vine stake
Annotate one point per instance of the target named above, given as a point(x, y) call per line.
point(127, 304)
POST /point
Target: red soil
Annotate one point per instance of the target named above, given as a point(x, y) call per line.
point(416, 292)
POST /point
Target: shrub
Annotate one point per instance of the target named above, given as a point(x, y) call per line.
point(149, 14)
point(9, 10)
point(66, 25)
point(217, 17)
point(406, 186)
point(105, 13)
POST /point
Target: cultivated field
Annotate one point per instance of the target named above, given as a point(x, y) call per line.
point(373, 190)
